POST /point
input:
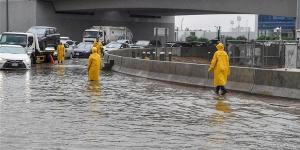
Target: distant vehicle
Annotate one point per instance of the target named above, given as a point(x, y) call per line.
point(14, 57)
point(125, 41)
point(107, 34)
point(115, 46)
point(146, 44)
point(186, 44)
point(64, 39)
point(83, 50)
point(47, 36)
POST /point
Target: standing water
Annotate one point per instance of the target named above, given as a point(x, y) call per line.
point(55, 107)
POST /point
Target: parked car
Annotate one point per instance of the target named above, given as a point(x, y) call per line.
point(83, 50)
point(146, 44)
point(115, 46)
point(14, 57)
point(125, 41)
point(47, 36)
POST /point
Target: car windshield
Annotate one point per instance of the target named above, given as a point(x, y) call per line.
point(14, 39)
point(38, 31)
point(92, 34)
point(114, 45)
point(12, 50)
point(84, 46)
point(143, 43)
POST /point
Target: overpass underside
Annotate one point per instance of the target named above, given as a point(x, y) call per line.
point(71, 17)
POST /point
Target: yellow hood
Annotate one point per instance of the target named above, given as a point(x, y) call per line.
point(94, 50)
point(220, 46)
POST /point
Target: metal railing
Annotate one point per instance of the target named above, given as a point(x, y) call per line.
point(261, 54)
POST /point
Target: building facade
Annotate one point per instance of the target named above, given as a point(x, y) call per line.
point(267, 25)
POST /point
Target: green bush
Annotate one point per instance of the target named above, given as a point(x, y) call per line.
point(202, 39)
point(242, 38)
point(191, 39)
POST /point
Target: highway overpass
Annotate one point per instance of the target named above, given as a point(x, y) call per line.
point(71, 17)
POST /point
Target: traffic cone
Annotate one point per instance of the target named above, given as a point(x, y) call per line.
point(51, 60)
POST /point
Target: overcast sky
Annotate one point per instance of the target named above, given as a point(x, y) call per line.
point(207, 22)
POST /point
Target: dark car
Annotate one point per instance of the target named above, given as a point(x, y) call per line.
point(47, 36)
point(83, 50)
point(146, 44)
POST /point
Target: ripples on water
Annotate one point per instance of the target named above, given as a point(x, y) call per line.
point(55, 107)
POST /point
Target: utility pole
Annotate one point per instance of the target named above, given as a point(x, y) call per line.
point(7, 18)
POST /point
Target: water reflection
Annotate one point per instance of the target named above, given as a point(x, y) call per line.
point(27, 89)
point(1, 89)
point(61, 70)
point(219, 119)
point(94, 89)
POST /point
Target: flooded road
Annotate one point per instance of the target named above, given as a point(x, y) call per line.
point(55, 107)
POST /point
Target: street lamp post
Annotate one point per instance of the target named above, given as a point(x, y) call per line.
point(218, 32)
point(7, 18)
point(278, 31)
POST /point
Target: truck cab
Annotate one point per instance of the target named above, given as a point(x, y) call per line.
point(25, 40)
point(107, 34)
point(90, 35)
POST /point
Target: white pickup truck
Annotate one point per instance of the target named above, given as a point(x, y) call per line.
point(30, 42)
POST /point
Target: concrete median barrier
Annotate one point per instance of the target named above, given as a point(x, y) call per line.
point(251, 80)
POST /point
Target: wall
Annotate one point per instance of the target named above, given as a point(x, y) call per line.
point(22, 15)
point(251, 80)
point(2, 16)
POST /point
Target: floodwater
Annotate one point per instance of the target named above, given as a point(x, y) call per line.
point(55, 107)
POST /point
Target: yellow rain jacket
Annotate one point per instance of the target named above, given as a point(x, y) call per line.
point(60, 52)
point(220, 66)
point(99, 47)
point(94, 65)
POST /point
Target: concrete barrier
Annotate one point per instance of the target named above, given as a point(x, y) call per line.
point(251, 80)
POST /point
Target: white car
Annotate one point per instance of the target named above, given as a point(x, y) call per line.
point(115, 46)
point(14, 57)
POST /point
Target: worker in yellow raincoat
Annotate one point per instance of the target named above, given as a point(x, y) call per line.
point(94, 62)
point(99, 46)
point(60, 53)
point(220, 67)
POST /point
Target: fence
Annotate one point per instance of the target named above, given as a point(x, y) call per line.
point(261, 54)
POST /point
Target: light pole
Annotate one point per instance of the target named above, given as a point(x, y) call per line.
point(218, 32)
point(7, 19)
point(278, 30)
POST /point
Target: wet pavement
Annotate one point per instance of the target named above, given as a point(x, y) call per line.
point(55, 107)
